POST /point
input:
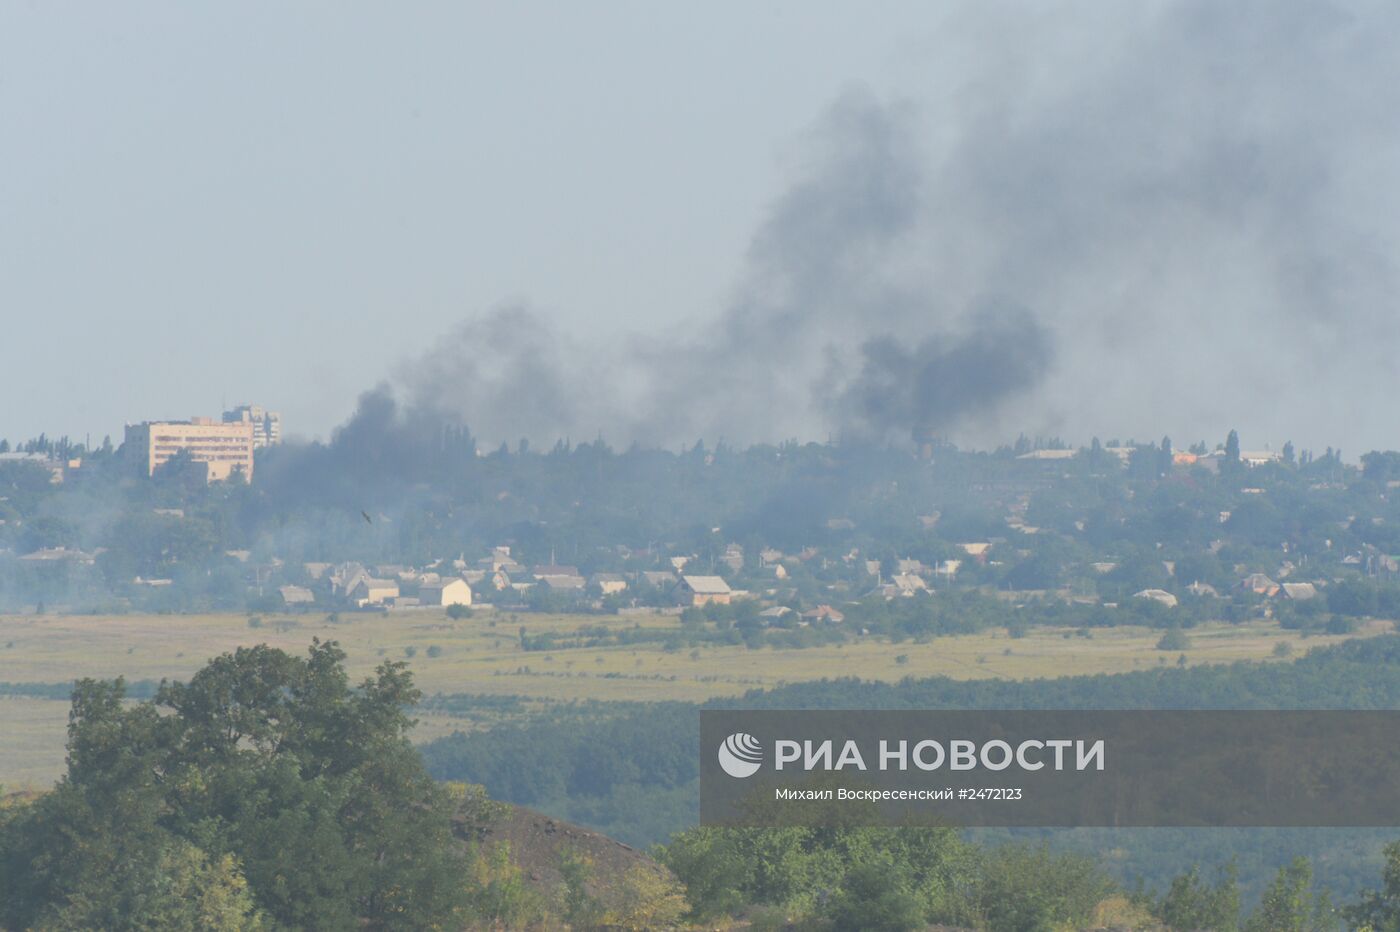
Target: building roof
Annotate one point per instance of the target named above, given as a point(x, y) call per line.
point(442, 584)
point(1157, 595)
point(1258, 582)
point(49, 554)
point(544, 572)
point(1302, 591)
point(1049, 455)
point(706, 585)
point(295, 594)
point(908, 582)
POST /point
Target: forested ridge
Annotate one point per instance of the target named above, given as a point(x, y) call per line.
point(631, 769)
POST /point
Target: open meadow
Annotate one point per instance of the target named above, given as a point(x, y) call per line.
point(483, 655)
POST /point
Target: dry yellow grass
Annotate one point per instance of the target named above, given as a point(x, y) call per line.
point(32, 733)
point(483, 655)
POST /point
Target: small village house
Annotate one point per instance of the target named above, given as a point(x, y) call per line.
point(445, 592)
point(696, 591)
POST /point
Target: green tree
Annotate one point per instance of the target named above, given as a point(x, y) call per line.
point(1379, 910)
point(1230, 465)
point(895, 873)
point(1381, 466)
point(308, 785)
point(1033, 890)
point(1232, 447)
point(1289, 904)
point(1190, 904)
point(1174, 639)
point(177, 888)
point(876, 895)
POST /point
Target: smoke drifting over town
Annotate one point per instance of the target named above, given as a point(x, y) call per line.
point(1167, 222)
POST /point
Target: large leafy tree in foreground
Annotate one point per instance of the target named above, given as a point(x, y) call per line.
point(264, 793)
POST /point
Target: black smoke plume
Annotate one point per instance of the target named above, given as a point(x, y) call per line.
point(925, 388)
point(1190, 203)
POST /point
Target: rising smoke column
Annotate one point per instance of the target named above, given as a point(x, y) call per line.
point(923, 389)
point(1192, 206)
point(818, 303)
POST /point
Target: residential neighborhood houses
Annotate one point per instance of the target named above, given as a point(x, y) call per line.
point(796, 597)
point(1016, 528)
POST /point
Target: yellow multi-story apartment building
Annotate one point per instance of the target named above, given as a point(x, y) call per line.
point(222, 448)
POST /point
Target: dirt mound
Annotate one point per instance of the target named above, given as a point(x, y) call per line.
point(541, 844)
point(575, 877)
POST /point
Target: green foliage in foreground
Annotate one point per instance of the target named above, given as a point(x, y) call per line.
point(905, 879)
point(866, 878)
point(265, 793)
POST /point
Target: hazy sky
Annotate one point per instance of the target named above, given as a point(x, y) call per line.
point(288, 203)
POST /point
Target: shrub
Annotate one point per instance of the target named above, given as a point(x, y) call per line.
point(1174, 639)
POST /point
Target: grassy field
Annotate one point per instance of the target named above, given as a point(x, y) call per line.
point(483, 655)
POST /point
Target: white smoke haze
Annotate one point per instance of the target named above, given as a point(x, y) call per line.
point(1120, 220)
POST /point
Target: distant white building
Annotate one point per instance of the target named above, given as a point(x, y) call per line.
point(733, 557)
point(42, 460)
point(52, 555)
point(908, 583)
point(1157, 595)
point(1259, 457)
point(609, 583)
point(445, 592)
point(370, 591)
point(267, 425)
point(977, 550)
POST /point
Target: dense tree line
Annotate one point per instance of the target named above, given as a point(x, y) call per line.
point(630, 769)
